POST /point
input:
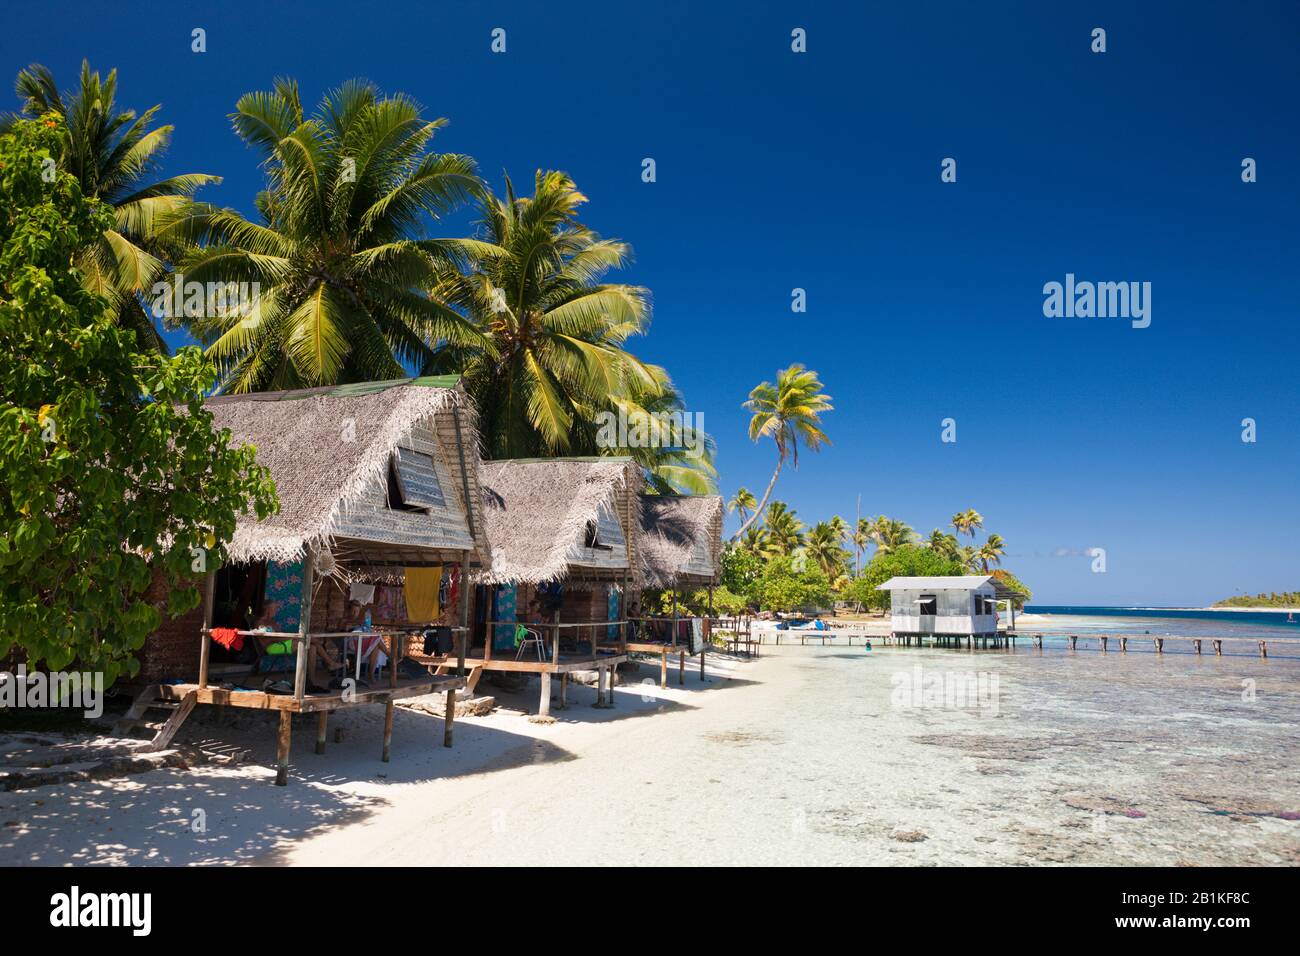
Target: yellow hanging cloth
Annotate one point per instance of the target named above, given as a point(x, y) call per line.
point(422, 594)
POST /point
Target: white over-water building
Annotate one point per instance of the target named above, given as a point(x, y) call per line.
point(947, 609)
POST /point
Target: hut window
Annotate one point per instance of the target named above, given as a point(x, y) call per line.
point(593, 538)
point(928, 604)
point(396, 499)
point(417, 479)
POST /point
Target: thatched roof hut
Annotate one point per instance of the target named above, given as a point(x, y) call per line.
point(681, 539)
point(381, 474)
point(561, 519)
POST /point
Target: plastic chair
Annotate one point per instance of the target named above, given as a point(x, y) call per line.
point(525, 636)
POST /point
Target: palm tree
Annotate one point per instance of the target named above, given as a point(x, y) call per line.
point(861, 538)
point(942, 544)
point(755, 540)
point(786, 412)
point(339, 254)
point(969, 557)
point(840, 528)
point(113, 153)
point(785, 532)
point(681, 469)
point(556, 329)
point(742, 503)
point(823, 546)
point(891, 534)
point(967, 522)
point(991, 551)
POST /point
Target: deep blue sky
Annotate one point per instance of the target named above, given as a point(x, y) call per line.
point(821, 171)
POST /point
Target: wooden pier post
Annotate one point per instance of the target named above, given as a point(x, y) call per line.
point(322, 726)
point(1218, 648)
point(564, 692)
point(1074, 640)
point(681, 668)
point(1160, 645)
point(1197, 644)
point(609, 689)
point(1263, 648)
point(1123, 645)
point(1104, 641)
point(282, 748)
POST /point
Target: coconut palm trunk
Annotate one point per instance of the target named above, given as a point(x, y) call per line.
point(762, 501)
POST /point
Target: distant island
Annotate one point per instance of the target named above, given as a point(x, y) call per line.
point(1287, 600)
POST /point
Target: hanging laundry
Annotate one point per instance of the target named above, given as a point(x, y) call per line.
point(421, 592)
point(228, 637)
point(284, 586)
point(611, 608)
point(504, 613)
point(361, 592)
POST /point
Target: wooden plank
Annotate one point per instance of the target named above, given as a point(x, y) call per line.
point(312, 704)
point(143, 701)
point(173, 724)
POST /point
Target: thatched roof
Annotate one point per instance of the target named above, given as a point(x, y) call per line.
point(325, 447)
point(538, 512)
point(681, 539)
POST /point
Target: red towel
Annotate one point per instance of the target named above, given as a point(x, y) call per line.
point(229, 638)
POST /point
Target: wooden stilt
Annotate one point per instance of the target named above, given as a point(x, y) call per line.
point(544, 703)
point(205, 649)
point(448, 717)
point(1104, 641)
point(681, 667)
point(282, 749)
point(388, 731)
point(1074, 641)
point(1197, 644)
point(1160, 645)
point(322, 722)
point(663, 667)
point(609, 690)
point(564, 692)
point(600, 687)
point(302, 648)
point(1123, 645)
point(1218, 648)
point(1263, 648)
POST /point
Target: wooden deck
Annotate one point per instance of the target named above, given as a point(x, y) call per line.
point(682, 651)
point(605, 665)
point(321, 704)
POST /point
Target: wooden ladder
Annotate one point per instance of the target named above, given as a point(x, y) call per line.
point(475, 671)
point(147, 700)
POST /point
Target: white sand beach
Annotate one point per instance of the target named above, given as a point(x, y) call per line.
point(808, 755)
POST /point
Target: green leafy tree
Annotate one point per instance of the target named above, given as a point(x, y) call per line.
point(789, 413)
point(108, 459)
point(113, 153)
point(783, 588)
point(741, 570)
point(908, 560)
point(1015, 584)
